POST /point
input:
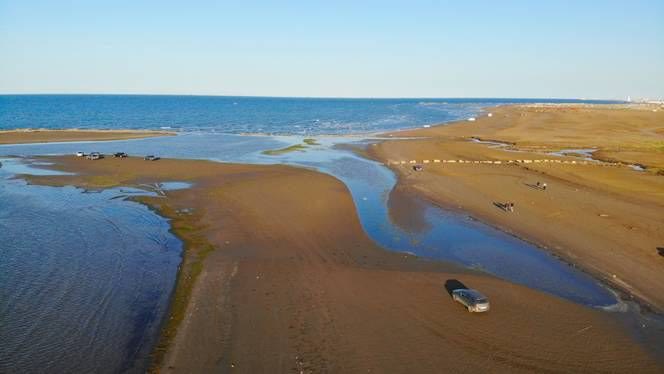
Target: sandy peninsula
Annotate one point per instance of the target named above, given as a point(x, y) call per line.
point(278, 276)
point(73, 135)
point(604, 217)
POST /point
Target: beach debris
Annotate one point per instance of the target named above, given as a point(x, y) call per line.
point(507, 206)
point(418, 168)
point(660, 250)
point(521, 161)
point(603, 215)
point(583, 329)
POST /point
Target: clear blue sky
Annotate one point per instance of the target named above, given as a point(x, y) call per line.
point(599, 49)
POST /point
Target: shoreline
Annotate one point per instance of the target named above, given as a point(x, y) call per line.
point(623, 295)
point(453, 135)
point(237, 275)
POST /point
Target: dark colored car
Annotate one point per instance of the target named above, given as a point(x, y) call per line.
point(119, 155)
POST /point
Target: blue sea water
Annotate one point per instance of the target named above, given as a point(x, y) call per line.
point(101, 288)
point(233, 115)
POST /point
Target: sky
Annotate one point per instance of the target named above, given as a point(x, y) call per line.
point(542, 49)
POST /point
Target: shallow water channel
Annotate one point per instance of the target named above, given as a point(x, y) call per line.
point(90, 271)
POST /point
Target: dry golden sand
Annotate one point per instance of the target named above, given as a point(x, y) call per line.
point(53, 136)
point(291, 283)
point(608, 220)
point(627, 133)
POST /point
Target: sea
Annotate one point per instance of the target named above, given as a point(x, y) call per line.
point(238, 115)
point(86, 276)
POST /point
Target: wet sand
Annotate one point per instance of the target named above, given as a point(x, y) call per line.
point(278, 276)
point(54, 136)
point(606, 219)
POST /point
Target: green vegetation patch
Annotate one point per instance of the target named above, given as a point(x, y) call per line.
point(196, 249)
point(281, 151)
point(310, 141)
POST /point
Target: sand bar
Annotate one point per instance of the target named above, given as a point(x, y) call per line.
point(608, 220)
point(278, 276)
point(74, 135)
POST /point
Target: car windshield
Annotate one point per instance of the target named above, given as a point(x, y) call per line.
point(476, 296)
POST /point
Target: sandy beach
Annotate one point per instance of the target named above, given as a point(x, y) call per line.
point(25, 136)
point(606, 219)
point(279, 276)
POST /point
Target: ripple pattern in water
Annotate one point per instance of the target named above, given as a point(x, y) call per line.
point(84, 280)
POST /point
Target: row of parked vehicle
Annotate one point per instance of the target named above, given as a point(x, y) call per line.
point(97, 156)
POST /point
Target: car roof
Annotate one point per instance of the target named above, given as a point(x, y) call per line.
point(475, 294)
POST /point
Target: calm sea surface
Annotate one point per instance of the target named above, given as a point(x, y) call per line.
point(235, 114)
point(85, 277)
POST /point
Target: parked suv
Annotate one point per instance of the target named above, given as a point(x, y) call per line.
point(94, 156)
point(473, 300)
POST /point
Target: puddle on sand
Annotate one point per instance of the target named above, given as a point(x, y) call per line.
point(586, 154)
point(12, 166)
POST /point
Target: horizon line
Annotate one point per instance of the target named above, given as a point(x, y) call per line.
point(318, 97)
